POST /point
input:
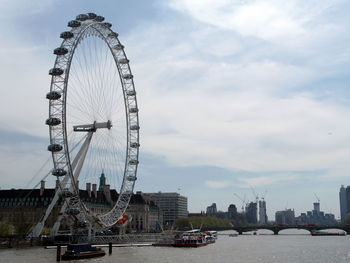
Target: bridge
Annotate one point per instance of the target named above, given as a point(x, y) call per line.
point(277, 228)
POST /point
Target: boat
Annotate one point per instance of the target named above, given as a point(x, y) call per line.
point(193, 238)
point(81, 251)
point(210, 237)
point(324, 233)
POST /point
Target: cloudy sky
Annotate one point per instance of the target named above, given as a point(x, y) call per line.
point(233, 95)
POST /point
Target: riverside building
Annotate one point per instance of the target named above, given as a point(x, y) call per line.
point(24, 207)
point(171, 205)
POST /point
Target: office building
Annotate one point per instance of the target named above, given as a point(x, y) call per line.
point(171, 205)
point(285, 217)
point(212, 210)
point(262, 212)
point(251, 211)
point(343, 205)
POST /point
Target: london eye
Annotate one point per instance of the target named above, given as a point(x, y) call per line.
point(93, 122)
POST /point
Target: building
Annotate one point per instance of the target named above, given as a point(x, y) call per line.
point(262, 212)
point(212, 210)
point(285, 217)
point(232, 211)
point(171, 205)
point(343, 205)
point(251, 211)
point(23, 208)
point(316, 217)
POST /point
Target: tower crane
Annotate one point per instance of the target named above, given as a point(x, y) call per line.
point(243, 201)
point(255, 195)
point(317, 198)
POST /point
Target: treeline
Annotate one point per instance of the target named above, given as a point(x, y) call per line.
point(205, 222)
point(20, 230)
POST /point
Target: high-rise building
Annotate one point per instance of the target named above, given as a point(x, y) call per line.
point(347, 200)
point(317, 207)
point(343, 205)
point(172, 205)
point(232, 211)
point(252, 213)
point(212, 210)
point(262, 212)
point(286, 217)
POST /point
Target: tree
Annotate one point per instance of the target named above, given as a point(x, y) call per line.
point(6, 229)
point(203, 221)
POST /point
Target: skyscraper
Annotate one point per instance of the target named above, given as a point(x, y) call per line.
point(262, 212)
point(343, 204)
point(252, 213)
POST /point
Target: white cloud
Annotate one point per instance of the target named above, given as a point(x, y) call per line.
point(271, 20)
point(261, 181)
point(218, 184)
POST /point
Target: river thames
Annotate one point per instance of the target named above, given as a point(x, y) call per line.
point(286, 248)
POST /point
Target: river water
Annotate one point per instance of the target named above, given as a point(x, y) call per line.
point(286, 248)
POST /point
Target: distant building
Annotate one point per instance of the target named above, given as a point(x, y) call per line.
point(343, 205)
point(347, 200)
point(172, 205)
point(252, 213)
point(316, 217)
point(285, 217)
point(262, 212)
point(232, 211)
point(211, 210)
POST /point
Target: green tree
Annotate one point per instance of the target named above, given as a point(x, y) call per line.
point(204, 221)
point(6, 229)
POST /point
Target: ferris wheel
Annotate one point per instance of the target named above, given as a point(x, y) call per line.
point(93, 121)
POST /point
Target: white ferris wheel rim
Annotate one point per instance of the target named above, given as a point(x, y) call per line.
point(82, 28)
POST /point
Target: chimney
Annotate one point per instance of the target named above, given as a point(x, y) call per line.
point(107, 192)
point(94, 189)
point(88, 189)
point(77, 183)
point(42, 187)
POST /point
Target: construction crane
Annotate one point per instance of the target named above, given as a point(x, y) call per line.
point(243, 201)
point(263, 195)
point(317, 198)
point(255, 195)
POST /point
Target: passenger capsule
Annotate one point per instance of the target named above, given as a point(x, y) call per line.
point(53, 121)
point(91, 15)
point(123, 61)
point(65, 193)
point(56, 71)
point(133, 162)
point(60, 51)
point(54, 147)
point(74, 23)
point(131, 93)
point(128, 76)
point(113, 35)
point(72, 211)
point(82, 17)
point(134, 127)
point(109, 25)
point(131, 178)
point(53, 95)
point(118, 47)
point(99, 18)
point(58, 172)
point(134, 145)
point(134, 110)
point(66, 35)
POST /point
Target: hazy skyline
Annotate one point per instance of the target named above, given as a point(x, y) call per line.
point(232, 94)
